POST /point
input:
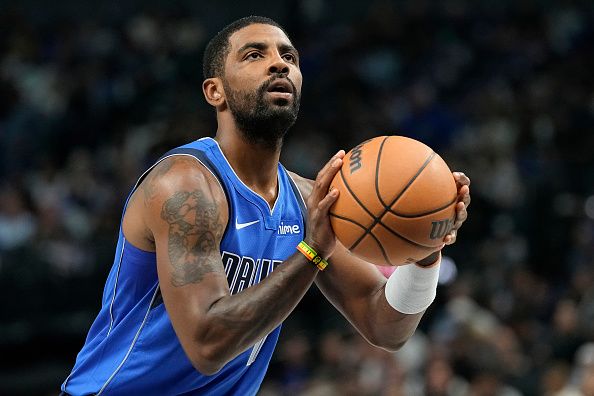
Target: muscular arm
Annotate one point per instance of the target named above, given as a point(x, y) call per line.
point(357, 289)
point(186, 213)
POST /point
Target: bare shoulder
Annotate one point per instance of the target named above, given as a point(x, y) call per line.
point(180, 183)
point(179, 173)
point(303, 184)
point(176, 186)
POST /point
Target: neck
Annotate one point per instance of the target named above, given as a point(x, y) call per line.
point(256, 165)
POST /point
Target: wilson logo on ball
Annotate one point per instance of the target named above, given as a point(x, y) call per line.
point(355, 160)
point(440, 228)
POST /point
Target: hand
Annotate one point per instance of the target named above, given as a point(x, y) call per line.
point(463, 185)
point(320, 235)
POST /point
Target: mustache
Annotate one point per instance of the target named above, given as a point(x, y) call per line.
point(264, 87)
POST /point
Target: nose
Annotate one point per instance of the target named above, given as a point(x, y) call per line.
point(278, 66)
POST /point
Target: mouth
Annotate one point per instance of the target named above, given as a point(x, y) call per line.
point(281, 88)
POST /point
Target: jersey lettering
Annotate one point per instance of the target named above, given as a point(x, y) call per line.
point(244, 271)
point(288, 229)
point(245, 275)
point(230, 260)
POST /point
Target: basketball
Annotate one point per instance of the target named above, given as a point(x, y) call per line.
point(397, 200)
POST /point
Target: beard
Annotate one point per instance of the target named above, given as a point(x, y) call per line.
point(263, 122)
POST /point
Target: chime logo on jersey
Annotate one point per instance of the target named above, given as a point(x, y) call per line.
point(288, 229)
point(244, 271)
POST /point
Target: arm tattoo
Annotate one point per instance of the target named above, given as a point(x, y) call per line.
point(194, 229)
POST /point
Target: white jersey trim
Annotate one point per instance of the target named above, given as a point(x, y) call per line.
point(132, 344)
point(115, 286)
point(256, 351)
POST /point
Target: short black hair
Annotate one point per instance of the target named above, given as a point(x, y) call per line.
point(213, 63)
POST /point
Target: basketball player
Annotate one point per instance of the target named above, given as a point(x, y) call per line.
point(218, 243)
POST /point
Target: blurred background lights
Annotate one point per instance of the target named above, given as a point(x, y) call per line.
point(447, 271)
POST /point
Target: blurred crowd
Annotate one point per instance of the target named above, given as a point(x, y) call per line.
point(504, 91)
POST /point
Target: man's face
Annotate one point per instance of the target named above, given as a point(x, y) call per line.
point(262, 82)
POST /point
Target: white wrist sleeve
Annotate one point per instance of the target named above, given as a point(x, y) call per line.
point(411, 289)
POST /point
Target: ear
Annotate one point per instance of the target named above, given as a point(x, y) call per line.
point(213, 91)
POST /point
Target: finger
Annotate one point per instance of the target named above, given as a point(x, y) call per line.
point(324, 179)
point(464, 190)
point(464, 195)
point(466, 199)
point(328, 165)
point(325, 204)
point(461, 179)
point(451, 237)
point(461, 215)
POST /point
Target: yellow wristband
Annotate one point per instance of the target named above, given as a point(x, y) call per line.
point(312, 255)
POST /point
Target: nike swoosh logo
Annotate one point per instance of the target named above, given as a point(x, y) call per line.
point(239, 226)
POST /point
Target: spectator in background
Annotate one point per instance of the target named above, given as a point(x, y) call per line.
point(17, 223)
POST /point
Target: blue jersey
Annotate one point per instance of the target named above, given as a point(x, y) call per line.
point(131, 348)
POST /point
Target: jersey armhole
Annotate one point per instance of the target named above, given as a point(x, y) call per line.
point(300, 199)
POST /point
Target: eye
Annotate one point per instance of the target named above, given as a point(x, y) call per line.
point(253, 55)
point(290, 58)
